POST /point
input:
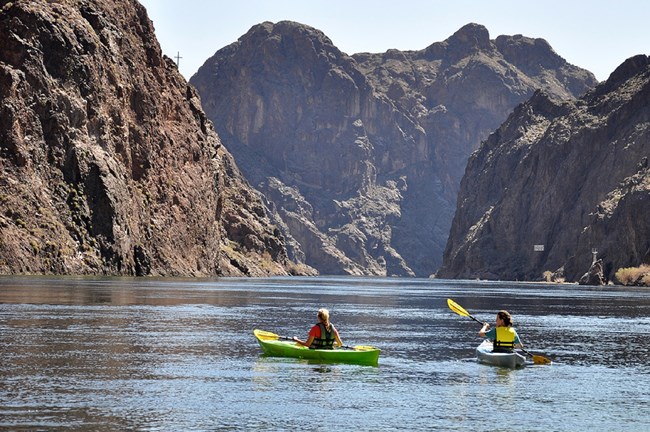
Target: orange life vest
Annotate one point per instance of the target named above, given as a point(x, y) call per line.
point(326, 339)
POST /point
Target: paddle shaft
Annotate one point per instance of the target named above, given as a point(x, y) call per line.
point(291, 339)
point(527, 352)
point(480, 322)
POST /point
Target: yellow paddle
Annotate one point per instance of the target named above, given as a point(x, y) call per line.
point(537, 359)
point(265, 335)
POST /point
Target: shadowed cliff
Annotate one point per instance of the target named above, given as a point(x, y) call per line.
point(361, 156)
point(570, 176)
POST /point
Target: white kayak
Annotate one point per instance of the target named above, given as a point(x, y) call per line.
point(509, 360)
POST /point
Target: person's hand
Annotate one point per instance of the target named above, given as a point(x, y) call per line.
point(486, 325)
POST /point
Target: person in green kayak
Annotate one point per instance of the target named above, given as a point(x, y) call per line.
point(503, 336)
point(323, 335)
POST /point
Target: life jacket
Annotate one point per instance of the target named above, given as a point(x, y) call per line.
point(505, 339)
point(326, 340)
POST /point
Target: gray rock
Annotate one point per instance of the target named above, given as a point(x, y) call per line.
point(375, 144)
point(571, 176)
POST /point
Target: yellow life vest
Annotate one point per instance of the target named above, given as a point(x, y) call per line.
point(505, 339)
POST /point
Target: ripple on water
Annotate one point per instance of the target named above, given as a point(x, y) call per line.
point(180, 355)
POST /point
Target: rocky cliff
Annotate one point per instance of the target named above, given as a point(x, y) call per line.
point(108, 162)
point(571, 177)
point(361, 157)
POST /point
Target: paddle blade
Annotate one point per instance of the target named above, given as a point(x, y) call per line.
point(457, 308)
point(265, 335)
point(364, 348)
point(359, 347)
point(538, 359)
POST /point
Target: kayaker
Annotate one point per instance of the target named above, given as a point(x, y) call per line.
point(503, 336)
point(323, 335)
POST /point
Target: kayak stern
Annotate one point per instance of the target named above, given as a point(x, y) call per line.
point(508, 360)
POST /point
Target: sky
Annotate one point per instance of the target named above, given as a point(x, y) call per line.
point(596, 35)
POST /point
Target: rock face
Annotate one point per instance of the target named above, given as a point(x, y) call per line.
point(595, 275)
point(108, 162)
point(362, 156)
point(569, 176)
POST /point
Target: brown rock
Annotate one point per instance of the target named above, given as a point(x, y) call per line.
point(109, 164)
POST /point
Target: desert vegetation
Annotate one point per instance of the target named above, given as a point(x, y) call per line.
point(639, 276)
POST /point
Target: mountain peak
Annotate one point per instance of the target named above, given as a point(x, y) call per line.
point(467, 40)
point(471, 35)
point(627, 69)
point(288, 29)
point(529, 54)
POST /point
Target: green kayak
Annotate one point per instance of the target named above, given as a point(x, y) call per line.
point(272, 346)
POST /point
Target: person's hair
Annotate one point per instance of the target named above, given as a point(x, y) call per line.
point(324, 316)
point(505, 316)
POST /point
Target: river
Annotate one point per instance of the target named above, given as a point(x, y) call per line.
point(107, 354)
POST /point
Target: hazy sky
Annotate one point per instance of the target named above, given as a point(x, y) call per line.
point(596, 35)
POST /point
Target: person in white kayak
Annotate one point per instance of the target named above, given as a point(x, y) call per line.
point(503, 336)
point(323, 335)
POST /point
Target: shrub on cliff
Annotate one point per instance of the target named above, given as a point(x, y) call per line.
point(634, 275)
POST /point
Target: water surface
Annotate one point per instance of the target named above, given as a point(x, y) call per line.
point(179, 354)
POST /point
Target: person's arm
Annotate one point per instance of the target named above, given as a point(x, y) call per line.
point(306, 343)
point(484, 330)
point(518, 343)
point(337, 338)
point(310, 337)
